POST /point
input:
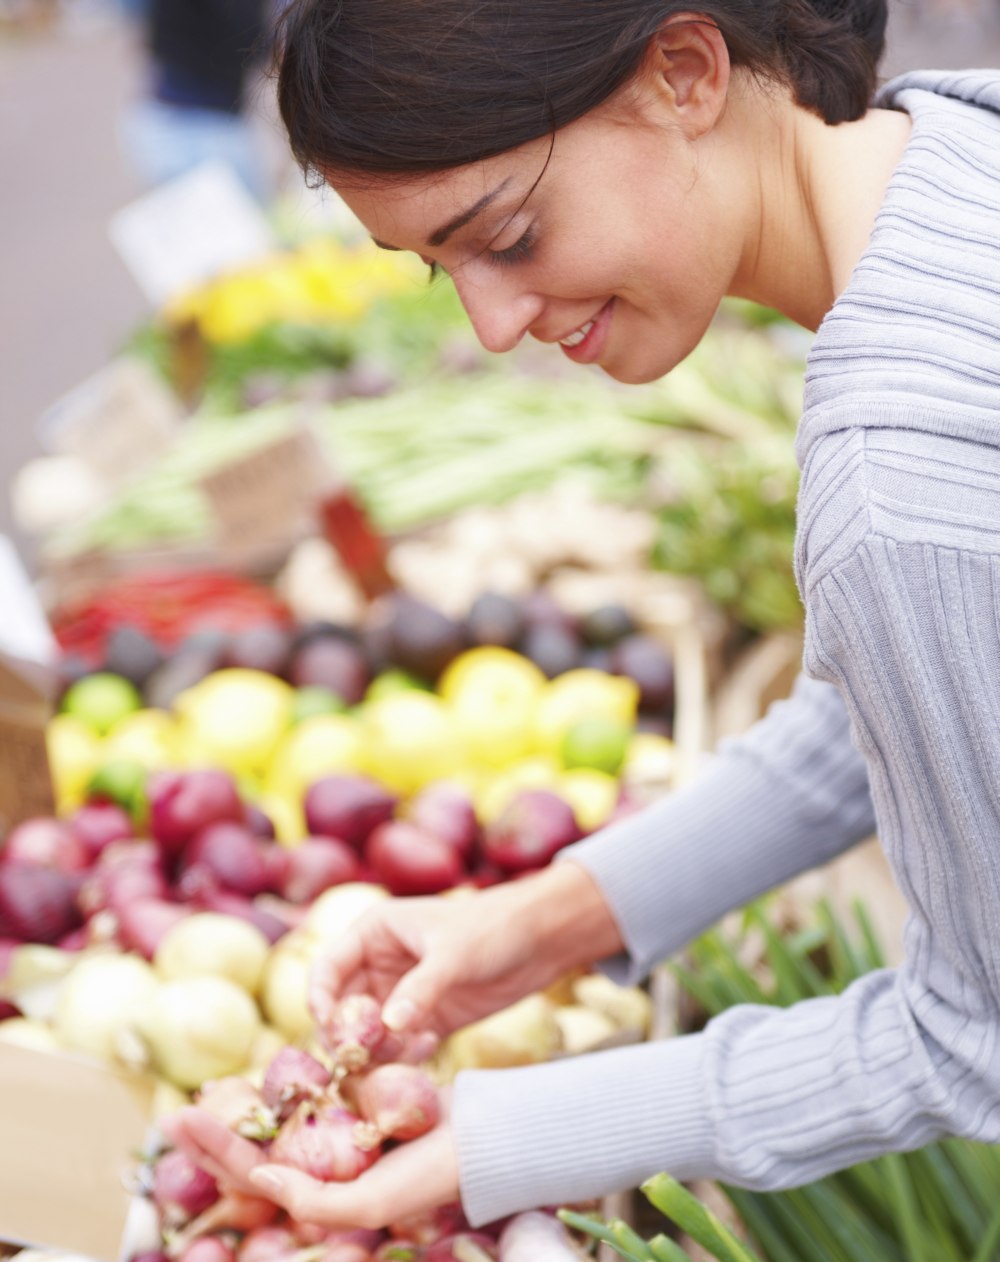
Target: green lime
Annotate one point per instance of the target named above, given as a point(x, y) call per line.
point(312, 700)
point(394, 681)
point(123, 781)
point(597, 743)
point(101, 700)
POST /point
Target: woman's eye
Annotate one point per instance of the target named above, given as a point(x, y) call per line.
point(516, 253)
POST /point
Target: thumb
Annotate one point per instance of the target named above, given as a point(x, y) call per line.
point(416, 996)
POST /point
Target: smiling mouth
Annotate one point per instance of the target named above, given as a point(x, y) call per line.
point(576, 338)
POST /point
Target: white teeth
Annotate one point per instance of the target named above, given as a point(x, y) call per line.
point(576, 338)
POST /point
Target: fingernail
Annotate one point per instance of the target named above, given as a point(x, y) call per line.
point(399, 1015)
point(266, 1181)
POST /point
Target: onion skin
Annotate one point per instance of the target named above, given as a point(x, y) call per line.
point(45, 843)
point(320, 1141)
point(181, 803)
point(347, 807)
point(143, 924)
point(126, 871)
point(316, 865)
point(240, 862)
point(38, 904)
point(209, 1249)
point(400, 1101)
point(231, 1212)
point(181, 1189)
point(100, 824)
point(268, 1244)
point(410, 862)
point(292, 1077)
point(530, 831)
point(355, 1032)
point(233, 1100)
point(446, 812)
point(431, 1226)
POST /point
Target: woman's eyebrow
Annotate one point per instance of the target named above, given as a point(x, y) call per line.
point(467, 216)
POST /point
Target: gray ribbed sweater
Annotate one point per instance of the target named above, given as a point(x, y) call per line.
point(895, 724)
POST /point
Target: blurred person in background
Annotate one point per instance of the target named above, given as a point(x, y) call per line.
point(203, 56)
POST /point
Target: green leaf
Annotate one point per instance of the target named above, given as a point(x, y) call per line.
point(664, 1249)
point(677, 1203)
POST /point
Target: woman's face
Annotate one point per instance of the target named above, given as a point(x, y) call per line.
point(618, 247)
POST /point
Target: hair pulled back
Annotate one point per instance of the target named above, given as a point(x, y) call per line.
point(414, 86)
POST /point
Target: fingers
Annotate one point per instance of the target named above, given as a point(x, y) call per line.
point(331, 971)
point(213, 1146)
point(412, 1004)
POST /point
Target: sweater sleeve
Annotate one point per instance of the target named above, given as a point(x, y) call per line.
point(789, 795)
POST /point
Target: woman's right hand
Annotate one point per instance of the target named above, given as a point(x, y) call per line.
point(436, 964)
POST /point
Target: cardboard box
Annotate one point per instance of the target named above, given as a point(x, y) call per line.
point(71, 1131)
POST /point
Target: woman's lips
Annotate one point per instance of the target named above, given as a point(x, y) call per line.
point(588, 351)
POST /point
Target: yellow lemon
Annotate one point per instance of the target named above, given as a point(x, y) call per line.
point(492, 797)
point(287, 816)
point(412, 739)
point(493, 694)
point(75, 752)
point(235, 719)
point(316, 747)
point(583, 694)
point(148, 737)
point(593, 796)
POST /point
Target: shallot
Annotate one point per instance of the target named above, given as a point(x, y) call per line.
point(233, 1211)
point(400, 1101)
point(292, 1077)
point(209, 1249)
point(320, 1140)
point(430, 1226)
point(239, 1105)
point(354, 1032)
point(268, 1244)
point(537, 1237)
point(181, 1189)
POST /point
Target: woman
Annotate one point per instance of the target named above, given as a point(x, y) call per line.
point(600, 175)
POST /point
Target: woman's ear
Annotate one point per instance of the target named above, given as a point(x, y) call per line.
point(688, 66)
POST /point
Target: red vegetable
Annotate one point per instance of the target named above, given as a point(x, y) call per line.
point(466, 1246)
point(268, 1244)
point(125, 872)
point(432, 1225)
point(400, 1101)
point(143, 924)
point(347, 807)
point(355, 1031)
point(98, 824)
point(240, 862)
point(530, 831)
point(46, 843)
point(292, 1077)
point(181, 803)
point(37, 904)
point(321, 1141)
point(316, 865)
point(181, 1189)
point(446, 812)
point(209, 1249)
point(409, 861)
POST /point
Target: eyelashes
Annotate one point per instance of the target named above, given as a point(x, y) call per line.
point(519, 252)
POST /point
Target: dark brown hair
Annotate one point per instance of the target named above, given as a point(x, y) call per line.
point(410, 86)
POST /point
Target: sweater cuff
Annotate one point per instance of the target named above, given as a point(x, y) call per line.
point(580, 1128)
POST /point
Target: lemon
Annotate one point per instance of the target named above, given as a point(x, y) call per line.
point(412, 739)
point(593, 795)
point(583, 694)
point(234, 719)
point(599, 743)
point(392, 681)
point(148, 737)
point(493, 694)
point(316, 747)
point(75, 752)
point(101, 700)
point(492, 796)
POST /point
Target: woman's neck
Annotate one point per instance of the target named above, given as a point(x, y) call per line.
point(819, 190)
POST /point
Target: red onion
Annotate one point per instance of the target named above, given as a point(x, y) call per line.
point(316, 865)
point(446, 812)
point(209, 1249)
point(181, 803)
point(45, 843)
point(240, 862)
point(76, 940)
point(37, 904)
point(236, 1103)
point(8, 1010)
point(125, 872)
point(466, 1246)
point(355, 1031)
point(400, 1101)
point(142, 925)
point(98, 824)
point(409, 861)
point(259, 823)
point(181, 1189)
point(530, 831)
point(432, 1225)
point(360, 1237)
point(321, 1141)
point(268, 1244)
point(235, 905)
point(347, 807)
point(291, 1077)
point(151, 1255)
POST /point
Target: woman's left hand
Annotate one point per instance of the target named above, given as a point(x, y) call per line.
point(410, 1179)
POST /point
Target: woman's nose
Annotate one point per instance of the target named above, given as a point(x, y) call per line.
point(501, 311)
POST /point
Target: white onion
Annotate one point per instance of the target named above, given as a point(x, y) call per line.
point(211, 944)
point(23, 1032)
point(199, 1028)
point(338, 908)
point(98, 1000)
point(284, 990)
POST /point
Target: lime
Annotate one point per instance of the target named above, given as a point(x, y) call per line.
point(101, 700)
point(393, 681)
point(314, 700)
point(598, 743)
point(123, 781)
point(583, 694)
